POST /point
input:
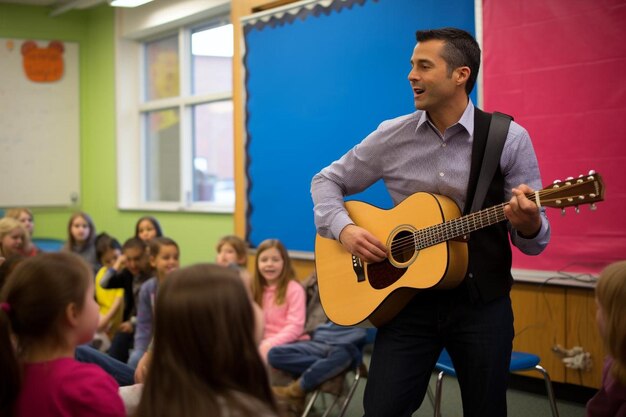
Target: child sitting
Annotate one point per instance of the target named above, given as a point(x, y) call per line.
point(610, 401)
point(331, 350)
point(164, 254)
point(129, 272)
point(205, 360)
point(13, 238)
point(232, 252)
point(47, 309)
point(25, 216)
point(147, 228)
point(108, 250)
point(81, 236)
point(280, 296)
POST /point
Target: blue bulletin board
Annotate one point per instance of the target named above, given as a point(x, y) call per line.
point(319, 78)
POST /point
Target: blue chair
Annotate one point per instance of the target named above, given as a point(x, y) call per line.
point(520, 361)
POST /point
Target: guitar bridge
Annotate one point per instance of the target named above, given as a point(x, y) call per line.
point(359, 268)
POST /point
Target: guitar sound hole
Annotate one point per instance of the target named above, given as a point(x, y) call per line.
point(403, 246)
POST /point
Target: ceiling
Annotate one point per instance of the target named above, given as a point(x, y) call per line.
point(58, 6)
point(38, 2)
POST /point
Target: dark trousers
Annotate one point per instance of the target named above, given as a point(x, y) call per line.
point(121, 345)
point(478, 336)
point(315, 362)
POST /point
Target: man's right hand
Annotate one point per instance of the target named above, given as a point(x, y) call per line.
point(362, 244)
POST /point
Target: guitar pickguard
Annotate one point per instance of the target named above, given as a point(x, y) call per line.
point(383, 274)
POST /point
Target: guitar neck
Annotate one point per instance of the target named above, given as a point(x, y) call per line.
point(460, 227)
point(587, 189)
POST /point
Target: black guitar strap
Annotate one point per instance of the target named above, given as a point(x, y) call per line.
point(496, 136)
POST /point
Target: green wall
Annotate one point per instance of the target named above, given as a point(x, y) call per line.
point(94, 30)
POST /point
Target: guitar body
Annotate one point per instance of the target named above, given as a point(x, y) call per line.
point(426, 248)
point(354, 293)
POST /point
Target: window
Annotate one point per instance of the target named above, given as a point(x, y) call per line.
point(183, 158)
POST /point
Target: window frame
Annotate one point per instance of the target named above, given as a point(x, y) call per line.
point(132, 108)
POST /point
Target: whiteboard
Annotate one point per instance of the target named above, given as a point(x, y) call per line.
point(39, 123)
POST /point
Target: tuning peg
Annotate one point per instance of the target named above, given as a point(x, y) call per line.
point(593, 207)
point(556, 183)
point(591, 172)
point(577, 209)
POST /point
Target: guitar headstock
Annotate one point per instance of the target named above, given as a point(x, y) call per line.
point(586, 189)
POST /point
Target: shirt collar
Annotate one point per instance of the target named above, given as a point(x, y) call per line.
point(466, 120)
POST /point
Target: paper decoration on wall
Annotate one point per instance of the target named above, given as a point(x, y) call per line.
point(43, 65)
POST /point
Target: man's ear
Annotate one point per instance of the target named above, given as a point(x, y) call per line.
point(462, 74)
point(72, 314)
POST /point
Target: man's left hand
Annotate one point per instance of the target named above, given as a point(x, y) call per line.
point(523, 213)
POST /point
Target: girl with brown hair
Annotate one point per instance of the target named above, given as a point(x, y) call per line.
point(81, 239)
point(610, 401)
point(281, 297)
point(204, 359)
point(46, 310)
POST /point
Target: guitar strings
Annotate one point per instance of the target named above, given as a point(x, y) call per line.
point(459, 226)
point(442, 232)
point(450, 229)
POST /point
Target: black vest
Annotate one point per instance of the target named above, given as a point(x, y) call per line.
point(489, 270)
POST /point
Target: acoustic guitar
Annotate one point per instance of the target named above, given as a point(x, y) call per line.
point(426, 240)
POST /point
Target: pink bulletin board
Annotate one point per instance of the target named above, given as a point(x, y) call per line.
point(558, 67)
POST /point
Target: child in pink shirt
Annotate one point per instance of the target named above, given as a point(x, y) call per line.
point(282, 299)
point(47, 308)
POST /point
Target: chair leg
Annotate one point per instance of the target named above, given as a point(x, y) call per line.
point(344, 406)
point(438, 392)
point(330, 407)
point(309, 405)
point(546, 377)
point(346, 401)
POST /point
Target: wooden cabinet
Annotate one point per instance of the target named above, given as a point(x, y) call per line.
point(549, 315)
point(539, 320)
point(581, 330)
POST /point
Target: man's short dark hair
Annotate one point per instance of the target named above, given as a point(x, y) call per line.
point(460, 50)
